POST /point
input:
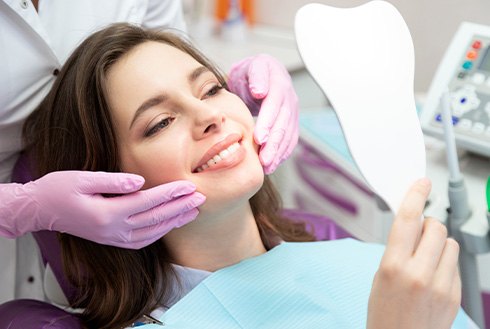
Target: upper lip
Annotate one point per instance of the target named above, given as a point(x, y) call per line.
point(218, 147)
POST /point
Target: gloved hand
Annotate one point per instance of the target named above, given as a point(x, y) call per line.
point(262, 82)
point(71, 202)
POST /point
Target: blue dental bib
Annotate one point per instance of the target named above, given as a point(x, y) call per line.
point(295, 285)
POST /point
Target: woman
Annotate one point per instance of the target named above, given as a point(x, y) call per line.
point(148, 103)
point(36, 37)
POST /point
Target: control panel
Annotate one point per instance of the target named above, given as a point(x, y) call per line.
point(465, 73)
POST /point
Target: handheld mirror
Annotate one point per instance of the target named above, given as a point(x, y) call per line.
point(363, 60)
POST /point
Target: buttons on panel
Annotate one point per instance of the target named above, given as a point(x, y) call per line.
point(467, 65)
point(473, 83)
point(469, 62)
point(472, 54)
point(454, 119)
point(468, 126)
point(478, 78)
point(465, 124)
point(478, 128)
point(464, 99)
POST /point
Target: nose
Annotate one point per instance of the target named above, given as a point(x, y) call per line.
point(207, 120)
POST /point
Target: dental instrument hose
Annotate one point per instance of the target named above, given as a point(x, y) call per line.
point(458, 214)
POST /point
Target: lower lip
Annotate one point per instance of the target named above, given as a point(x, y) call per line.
point(230, 161)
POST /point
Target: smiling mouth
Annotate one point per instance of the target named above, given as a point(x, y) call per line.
point(217, 158)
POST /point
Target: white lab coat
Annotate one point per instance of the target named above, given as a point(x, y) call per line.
point(32, 46)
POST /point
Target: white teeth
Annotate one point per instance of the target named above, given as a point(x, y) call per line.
point(233, 147)
point(218, 157)
point(223, 154)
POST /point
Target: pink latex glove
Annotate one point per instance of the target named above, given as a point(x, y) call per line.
point(262, 82)
point(71, 202)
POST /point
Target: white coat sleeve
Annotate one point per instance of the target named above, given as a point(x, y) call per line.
point(164, 14)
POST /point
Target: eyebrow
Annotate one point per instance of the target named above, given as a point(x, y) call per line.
point(162, 98)
point(197, 73)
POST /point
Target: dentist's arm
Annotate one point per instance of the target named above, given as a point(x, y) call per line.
point(417, 284)
point(262, 82)
point(72, 202)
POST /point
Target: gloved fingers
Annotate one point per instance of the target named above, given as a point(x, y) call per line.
point(144, 236)
point(259, 77)
point(292, 143)
point(238, 75)
point(163, 212)
point(141, 201)
point(285, 150)
point(287, 145)
point(277, 142)
point(90, 182)
point(269, 111)
point(293, 129)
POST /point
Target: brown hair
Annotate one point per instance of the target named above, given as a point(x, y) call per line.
point(72, 130)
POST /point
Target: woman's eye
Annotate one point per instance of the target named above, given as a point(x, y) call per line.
point(214, 90)
point(162, 124)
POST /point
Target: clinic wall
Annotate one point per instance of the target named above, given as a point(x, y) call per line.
point(432, 24)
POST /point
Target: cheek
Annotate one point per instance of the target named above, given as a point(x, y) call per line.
point(158, 164)
point(240, 114)
point(237, 108)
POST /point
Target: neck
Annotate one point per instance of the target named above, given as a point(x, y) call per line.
point(211, 243)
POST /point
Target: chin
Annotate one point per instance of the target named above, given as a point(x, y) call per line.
point(232, 191)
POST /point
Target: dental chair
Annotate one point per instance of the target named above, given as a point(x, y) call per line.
point(34, 314)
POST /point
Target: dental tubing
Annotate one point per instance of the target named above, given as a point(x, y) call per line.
point(459, 213)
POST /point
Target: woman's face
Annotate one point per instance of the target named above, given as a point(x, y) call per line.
point(174, 122)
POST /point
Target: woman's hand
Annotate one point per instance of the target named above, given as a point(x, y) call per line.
point(263, 82)
point(417, 284)
point(73, 202)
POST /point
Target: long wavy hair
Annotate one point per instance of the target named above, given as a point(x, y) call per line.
point(72, 129)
